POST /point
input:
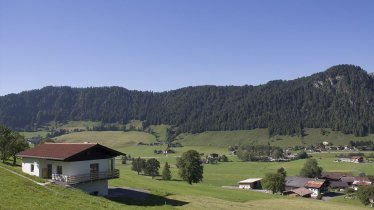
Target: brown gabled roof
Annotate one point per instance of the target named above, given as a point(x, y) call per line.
point(302, 191)
point(62, 151)
point(315, 183)
point(335, 175)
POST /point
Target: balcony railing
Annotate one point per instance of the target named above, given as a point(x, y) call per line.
point(81, 178)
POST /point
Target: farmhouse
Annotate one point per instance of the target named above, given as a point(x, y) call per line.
point(357, 159)
point(317, 187)
point(360, 181)
point(334, 176)
point(293, 182)
point(252, 183)
point(353, 159)
point(85, 166)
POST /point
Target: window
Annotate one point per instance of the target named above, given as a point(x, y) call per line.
point(59, 169)
point(32, 168)
point(94, 170)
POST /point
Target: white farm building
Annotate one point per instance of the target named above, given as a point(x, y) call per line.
point(85, 166)
point(252, 183)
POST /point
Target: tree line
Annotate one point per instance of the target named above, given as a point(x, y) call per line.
point(340, 98)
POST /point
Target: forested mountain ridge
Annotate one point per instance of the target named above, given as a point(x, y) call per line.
point(340, 98)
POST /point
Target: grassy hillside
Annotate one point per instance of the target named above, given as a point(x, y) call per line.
point(114, 139)
point(160, 131)
point(18, 193)
point(260, 136)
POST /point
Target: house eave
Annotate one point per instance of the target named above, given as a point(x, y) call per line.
point(41, 157)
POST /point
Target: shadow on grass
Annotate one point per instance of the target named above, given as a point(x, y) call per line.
point(140, 198)
point(11, 164)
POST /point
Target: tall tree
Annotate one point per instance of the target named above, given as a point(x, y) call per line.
point(275, 182)
point(311, 169)
point(166, 174)
point(190, 167)
point(138, 165)
point(151, 167)
point(5, 141)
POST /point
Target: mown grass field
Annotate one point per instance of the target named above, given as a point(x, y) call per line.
point(115, 139)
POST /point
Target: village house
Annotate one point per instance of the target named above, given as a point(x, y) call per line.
point(294, 182)
point(317, 187)
point(252, 183)
point(86, 166)
point(334, 176)
point(353, 159)
point(357, 159)
point(34, 140)
point(360, 181)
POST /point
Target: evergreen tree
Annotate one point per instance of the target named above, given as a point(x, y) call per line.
point(166, 174)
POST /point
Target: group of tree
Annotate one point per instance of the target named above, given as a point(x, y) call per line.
point(149, 167)
point(275, 182)
point(189, 166)
point(11, 143)
point(302, 155)
point(362, 145)
point(341, 98)
point(259, 152)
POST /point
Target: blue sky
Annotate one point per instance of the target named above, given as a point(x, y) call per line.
point(162, 45)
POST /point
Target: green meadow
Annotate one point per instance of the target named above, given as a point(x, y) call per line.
point(210, 193)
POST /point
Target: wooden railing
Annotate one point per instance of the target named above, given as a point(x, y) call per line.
point(81, 178)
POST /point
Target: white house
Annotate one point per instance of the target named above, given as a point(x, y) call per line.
point(317, 187)
point(85, 166)
point(253, 183)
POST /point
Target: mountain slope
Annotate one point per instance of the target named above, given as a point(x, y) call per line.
point(340, 98)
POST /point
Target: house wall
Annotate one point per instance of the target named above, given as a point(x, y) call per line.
point(68, 168)
point(315, 192)
point(26, 166)
point(75, 168)
point(245, 186)
point(101, 187)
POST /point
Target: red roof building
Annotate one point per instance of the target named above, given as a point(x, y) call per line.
point(86, 166)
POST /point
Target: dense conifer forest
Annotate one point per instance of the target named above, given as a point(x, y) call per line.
point(340, 98)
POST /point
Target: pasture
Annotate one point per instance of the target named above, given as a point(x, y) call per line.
point(209, 193)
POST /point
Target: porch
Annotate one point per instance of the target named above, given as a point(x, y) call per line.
point(82, 178)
